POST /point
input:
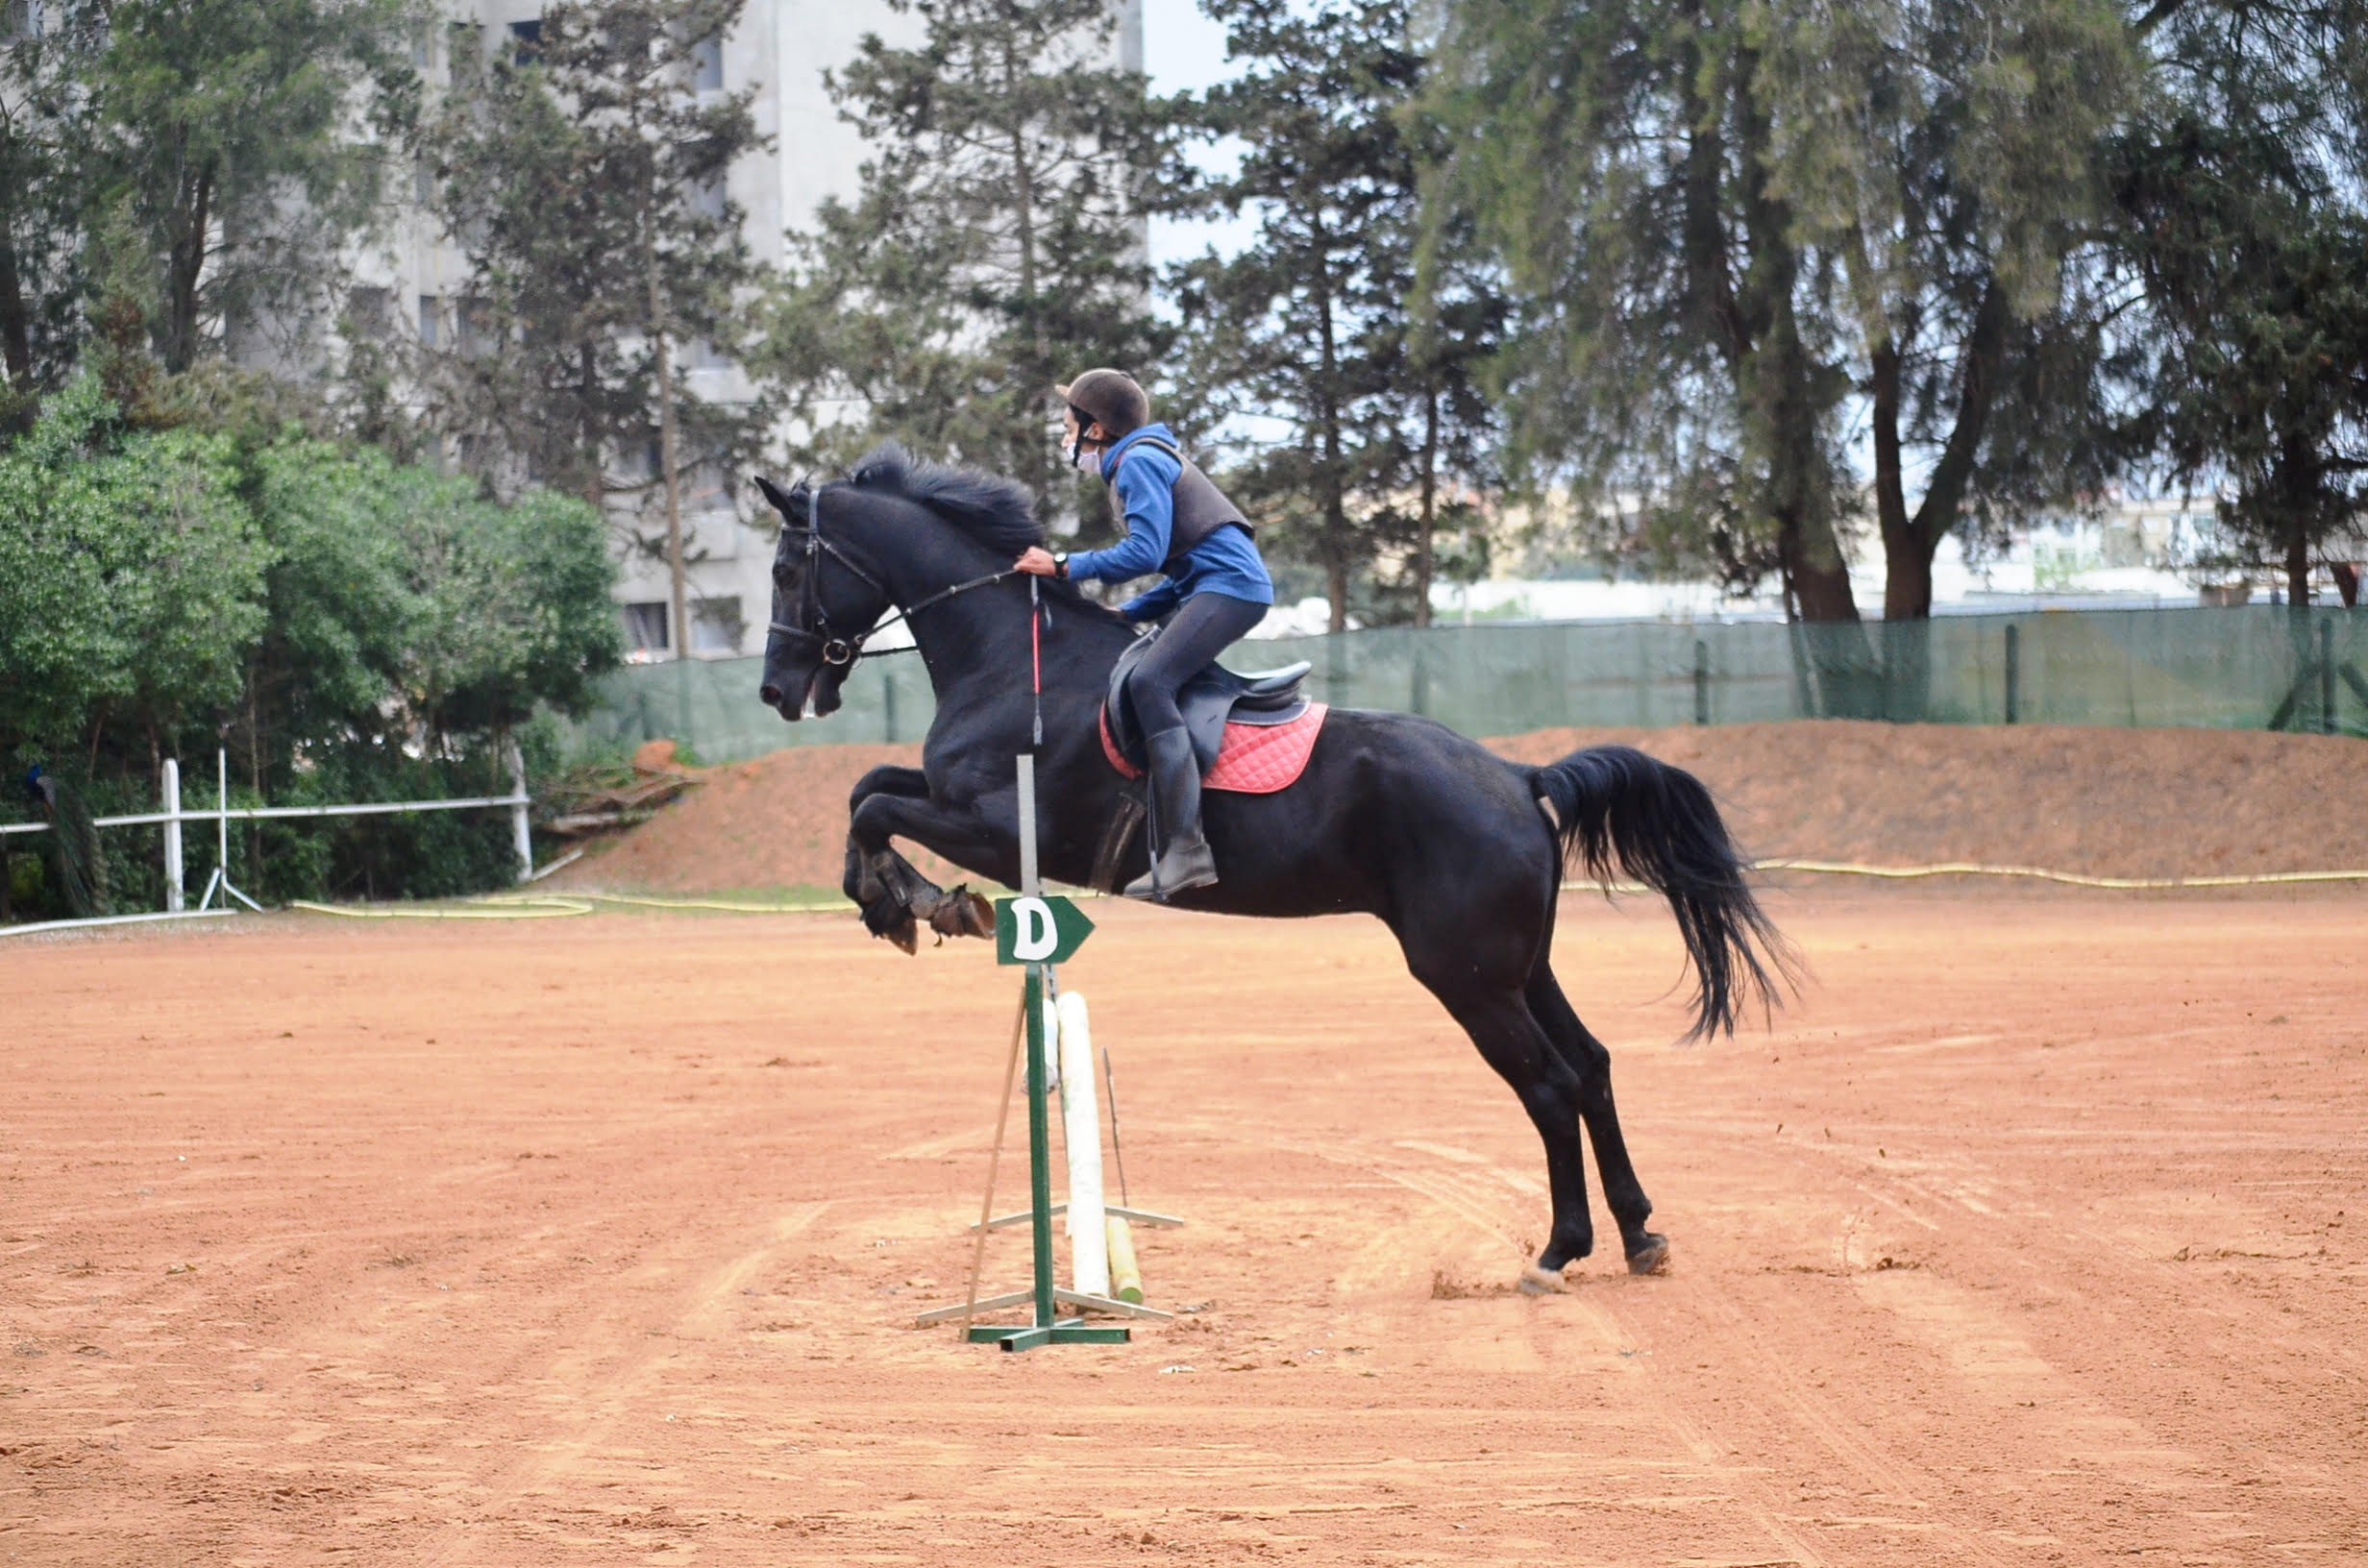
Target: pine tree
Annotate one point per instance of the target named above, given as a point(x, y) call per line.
point(42, 201)
point(996, 247)
point(1460, 316)
point(245, 141)
point(585, 177)
point(1307, 323)
point(2242, 225)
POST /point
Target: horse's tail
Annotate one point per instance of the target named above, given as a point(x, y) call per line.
point(1621, 811)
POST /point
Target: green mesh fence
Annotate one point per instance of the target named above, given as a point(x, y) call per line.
point(2250, 668)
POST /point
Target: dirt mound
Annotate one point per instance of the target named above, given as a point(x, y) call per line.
point(2105, 802)
point(779, 821)
point(2115, 802)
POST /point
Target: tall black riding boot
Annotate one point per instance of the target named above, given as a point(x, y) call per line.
point(1181, 859)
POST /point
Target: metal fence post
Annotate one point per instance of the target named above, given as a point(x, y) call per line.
point(2326, 677)
point(174, 873)
point(888, 708)
point(1701, 681)
point(2014, 672)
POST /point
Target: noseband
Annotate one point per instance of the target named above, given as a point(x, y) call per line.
point(838, 651)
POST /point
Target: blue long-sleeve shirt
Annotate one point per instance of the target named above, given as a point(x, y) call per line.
point(1225, 562)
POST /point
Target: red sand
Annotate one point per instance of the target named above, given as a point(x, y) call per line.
point(2037, 1232)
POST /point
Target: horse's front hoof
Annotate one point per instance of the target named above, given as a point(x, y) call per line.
point(894, 921)
point(1651, 1256)
point(962, 912)
point(1538, 1282)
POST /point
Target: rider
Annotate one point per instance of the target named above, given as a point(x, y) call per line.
point(1216, 589)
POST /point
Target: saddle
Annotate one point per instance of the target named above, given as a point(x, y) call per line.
point(1209, 702)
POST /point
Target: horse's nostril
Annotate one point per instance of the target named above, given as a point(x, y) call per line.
point(770, 696)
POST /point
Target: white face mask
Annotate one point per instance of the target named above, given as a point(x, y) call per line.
point(1083, 458)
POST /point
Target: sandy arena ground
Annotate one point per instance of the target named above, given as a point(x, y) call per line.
point(2037, 1232)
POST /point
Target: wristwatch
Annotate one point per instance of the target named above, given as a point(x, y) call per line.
point(1060, 563)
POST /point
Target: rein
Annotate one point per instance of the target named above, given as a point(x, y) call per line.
point(841, 651)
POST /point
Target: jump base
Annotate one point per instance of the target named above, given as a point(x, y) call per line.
point(1068, 1330)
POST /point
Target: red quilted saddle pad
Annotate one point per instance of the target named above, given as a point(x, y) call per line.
point(1252, 759)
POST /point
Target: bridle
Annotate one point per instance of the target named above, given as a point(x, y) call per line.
point(841, 652)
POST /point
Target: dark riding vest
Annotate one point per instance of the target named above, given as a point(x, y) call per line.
point(1200, 508)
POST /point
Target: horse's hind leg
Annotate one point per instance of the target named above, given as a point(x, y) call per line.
point(1511, 1041)
point(1647, 1251)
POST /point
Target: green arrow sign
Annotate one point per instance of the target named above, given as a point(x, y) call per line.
point(1043, 930)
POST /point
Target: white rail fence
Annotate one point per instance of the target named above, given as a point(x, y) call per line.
point(223, 814)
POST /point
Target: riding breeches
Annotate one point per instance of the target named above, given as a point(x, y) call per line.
point(1200, 628)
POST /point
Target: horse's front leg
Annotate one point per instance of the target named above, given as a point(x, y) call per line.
point(887, 888)
point(870, 874)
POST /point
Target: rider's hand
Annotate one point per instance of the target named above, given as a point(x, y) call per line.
point(1037, 562)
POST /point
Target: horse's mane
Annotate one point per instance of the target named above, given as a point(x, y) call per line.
point(991, 509)
point(996, 511)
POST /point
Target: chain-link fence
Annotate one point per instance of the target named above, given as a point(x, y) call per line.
point(2249, 668)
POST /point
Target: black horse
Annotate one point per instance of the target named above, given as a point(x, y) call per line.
point(1458, 851)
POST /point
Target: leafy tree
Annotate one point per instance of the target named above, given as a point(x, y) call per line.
point(587, 179)
point(410, 609)
point(1307, 323)
point(1678, 341)
point(996, 247)
point(1945, 156)
point(347, 625)
point(131, 583)
point(1735, 225)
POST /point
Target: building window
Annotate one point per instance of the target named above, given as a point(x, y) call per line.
point(716, 626)
point(428, 314)
point(706, 491)
point(645, 632)
point(475, 334)
point(708, 65)
point(368, 313)
point(525, 42)
point(463, 46)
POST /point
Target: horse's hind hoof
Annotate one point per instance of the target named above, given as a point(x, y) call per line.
point(1652, 1258)
point(962, 912)
point(1538, 1282)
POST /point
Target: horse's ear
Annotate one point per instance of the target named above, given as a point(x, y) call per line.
point(790, 503)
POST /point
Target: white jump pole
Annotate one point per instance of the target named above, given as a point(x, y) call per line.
point(520, 834)
point(174, 872)
point(1089, 1244)
point(222, 838)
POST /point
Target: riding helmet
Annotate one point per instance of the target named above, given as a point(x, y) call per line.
point(1112, 398)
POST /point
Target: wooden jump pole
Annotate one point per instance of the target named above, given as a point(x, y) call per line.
point(995, 1159)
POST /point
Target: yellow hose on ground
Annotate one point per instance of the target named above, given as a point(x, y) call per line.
point(2076, 880)
point(552, 906)
point(540, 908)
